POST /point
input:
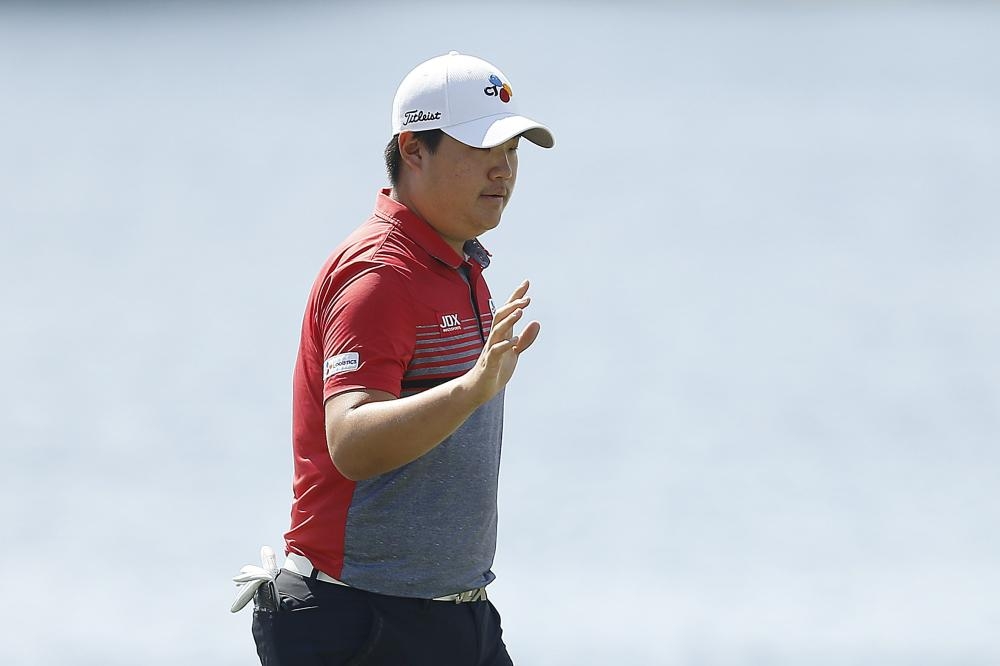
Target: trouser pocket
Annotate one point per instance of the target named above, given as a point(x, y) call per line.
point(263, 635)
point(316, 623)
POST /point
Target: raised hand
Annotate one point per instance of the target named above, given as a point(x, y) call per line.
point(499, 358)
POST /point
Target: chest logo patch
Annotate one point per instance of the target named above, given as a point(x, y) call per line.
point(450, 322)
point(347, 362)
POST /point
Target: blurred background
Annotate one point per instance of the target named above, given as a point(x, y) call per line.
point(761, 424)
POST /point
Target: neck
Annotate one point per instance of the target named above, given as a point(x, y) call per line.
point(401, 194)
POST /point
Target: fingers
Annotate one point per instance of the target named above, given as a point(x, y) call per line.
point(503, 323)
point(527, 337)
point(515, 343)
point(499, 358)
point(509, 308)
point(521, 290)
point(497, 351)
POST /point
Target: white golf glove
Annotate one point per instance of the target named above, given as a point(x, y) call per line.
point(251, 577)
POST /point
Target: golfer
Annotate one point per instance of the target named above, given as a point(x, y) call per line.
point(398, 397)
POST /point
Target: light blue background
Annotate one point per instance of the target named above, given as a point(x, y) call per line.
point(760, 426)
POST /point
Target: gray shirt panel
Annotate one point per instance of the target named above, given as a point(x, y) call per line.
point(429, 528)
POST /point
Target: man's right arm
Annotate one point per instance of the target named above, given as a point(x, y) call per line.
point(370, 432)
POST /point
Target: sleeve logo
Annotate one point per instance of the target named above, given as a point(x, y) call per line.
point(348, 362)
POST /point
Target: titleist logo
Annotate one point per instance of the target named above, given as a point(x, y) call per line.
point(419, 117)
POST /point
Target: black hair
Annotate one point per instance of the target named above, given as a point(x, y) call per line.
point(430, 138)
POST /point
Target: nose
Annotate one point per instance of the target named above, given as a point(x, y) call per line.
point(503, 167)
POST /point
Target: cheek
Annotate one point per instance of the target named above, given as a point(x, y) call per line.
point(455, 173)
point(467, 170)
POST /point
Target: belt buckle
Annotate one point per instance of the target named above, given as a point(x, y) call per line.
point(477, 594)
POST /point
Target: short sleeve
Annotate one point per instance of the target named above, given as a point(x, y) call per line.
point(368, 330)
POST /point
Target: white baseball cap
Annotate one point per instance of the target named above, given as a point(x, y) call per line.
point(468, 99)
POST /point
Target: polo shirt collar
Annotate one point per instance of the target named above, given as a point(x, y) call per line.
point(424, 234)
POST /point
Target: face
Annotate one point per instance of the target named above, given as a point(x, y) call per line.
point(464, 190)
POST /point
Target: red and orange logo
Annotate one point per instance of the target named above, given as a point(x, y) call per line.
point(499, 89)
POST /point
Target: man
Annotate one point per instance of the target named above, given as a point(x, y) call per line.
point(398, 398)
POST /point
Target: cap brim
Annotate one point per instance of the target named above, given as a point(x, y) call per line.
point(494, 130)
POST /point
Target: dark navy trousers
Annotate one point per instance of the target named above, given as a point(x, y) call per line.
point(324, 624)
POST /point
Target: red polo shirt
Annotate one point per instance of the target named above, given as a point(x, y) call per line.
point(394, 309)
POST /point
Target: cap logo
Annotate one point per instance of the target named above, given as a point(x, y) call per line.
point(498, 89)
point(416, 116)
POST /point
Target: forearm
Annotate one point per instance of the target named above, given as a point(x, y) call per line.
point(380, 435)
point(372, 432)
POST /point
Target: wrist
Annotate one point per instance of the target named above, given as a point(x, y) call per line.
point(468, 392)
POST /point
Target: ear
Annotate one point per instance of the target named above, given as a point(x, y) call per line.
point(411, 151)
